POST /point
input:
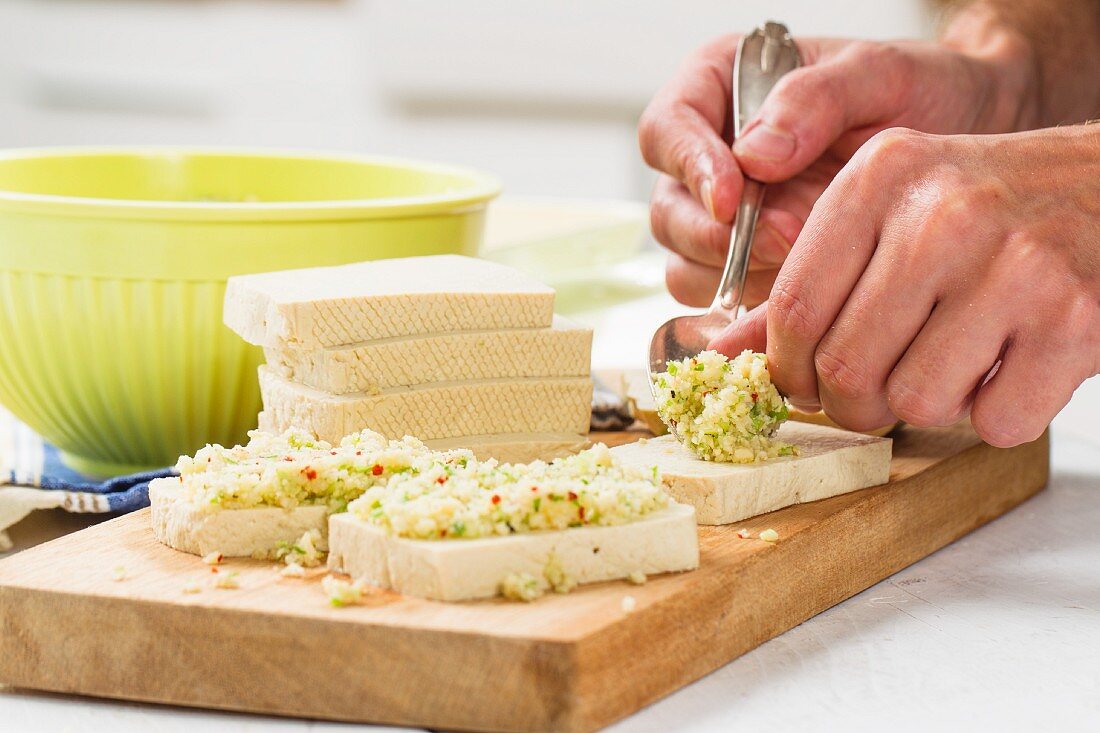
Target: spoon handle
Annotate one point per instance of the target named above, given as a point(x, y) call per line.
point(731, 288)
point(763, 56)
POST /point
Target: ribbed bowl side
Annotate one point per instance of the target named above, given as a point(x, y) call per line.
point(131, 373)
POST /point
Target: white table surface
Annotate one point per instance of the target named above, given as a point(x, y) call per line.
point(999, 631)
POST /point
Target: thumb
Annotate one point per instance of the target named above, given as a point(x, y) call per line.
point(748, 332)
point(812, 107)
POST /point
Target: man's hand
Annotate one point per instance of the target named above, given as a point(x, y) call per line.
point(808, 129)
point(943, 275)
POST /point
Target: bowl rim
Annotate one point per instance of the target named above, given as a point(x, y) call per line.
point(482, 188)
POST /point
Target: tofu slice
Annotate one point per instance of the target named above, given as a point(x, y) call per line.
point(831, 462)
point(563, 350)
point(333, 306)
point(517, 447)
point(459, 569)
point(433, 412)
point(186, 527)
point(505, 447)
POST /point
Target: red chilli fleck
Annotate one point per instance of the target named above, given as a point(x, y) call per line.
point(441, 480)
point(582, 513)
point(754, 396)
point(377, 469)
point(496, 498)
point(572, 496)
point(213, 570)
point(310, 473)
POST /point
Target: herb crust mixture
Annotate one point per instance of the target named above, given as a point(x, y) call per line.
point(410, 490)
point(294, 469)
point(470, 498)
point(722, 409)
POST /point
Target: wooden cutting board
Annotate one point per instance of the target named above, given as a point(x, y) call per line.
point(571, 662)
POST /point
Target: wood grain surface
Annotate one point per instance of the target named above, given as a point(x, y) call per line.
point(571, 662)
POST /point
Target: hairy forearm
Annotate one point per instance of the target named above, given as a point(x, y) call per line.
point(1049, 50)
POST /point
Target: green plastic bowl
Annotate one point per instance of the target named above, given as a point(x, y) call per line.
point(112, 272)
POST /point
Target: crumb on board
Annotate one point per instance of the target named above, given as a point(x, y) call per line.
point(293, 570)
point(342, 592)
point(629, 604)
point(637, 577)
point(213, 558)
point(769, 535)
point(191, 588)
point(229, 581)
point(119, 574)
point(744, 534)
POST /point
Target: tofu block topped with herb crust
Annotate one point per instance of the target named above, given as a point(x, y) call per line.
point(829, 462)
point(437, 524)
point(247, 500)
point(477, 529)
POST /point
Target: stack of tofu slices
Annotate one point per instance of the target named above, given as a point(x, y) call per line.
point(456, 351)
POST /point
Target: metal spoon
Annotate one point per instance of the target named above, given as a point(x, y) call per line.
point(763, 56)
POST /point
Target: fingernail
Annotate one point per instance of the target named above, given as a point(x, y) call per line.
point(706, 192)
point(766, 142)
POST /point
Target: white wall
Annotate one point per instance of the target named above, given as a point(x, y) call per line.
point(543, 92)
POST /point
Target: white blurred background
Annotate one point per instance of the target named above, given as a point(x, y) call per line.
point(544, 93)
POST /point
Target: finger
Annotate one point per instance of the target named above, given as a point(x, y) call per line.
point(936, 380)
point(695, 285)
point(689, 282)
point(758, 285)
point(748, 332)
point(882, 316)
point(812, 107)
point(852, 379)
point(680, 132)
point(776, 231)
point(1021, 398)
point(681, 224)
point(813, 285)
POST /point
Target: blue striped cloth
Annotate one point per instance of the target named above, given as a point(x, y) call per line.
point(32, 476)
